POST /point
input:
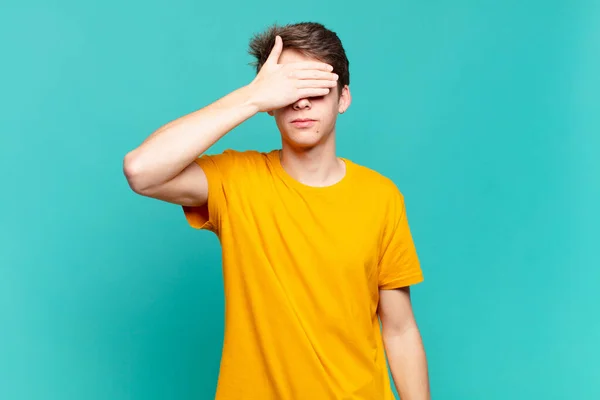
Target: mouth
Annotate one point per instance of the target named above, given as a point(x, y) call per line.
point(303, 122)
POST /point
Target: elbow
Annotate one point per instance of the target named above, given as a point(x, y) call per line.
point(398, 329)
point(135, 173)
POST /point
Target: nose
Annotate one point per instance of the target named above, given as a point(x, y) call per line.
point(302, 104)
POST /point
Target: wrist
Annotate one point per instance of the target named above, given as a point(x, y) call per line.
point(249, 99)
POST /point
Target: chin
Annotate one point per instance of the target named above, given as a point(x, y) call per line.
point(304, 139)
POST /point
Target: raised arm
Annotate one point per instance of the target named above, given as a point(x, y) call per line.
point(163, 166)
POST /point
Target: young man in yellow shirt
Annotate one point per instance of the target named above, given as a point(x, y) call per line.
point(317, 249)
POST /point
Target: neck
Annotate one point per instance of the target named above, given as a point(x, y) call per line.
point(314, 166)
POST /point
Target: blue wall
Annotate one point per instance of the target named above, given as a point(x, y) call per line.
point(486, 115)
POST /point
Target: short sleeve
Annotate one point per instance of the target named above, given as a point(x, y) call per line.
point(218, 169)
point(399, 264)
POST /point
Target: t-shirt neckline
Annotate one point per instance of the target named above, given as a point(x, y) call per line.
point(276, 160)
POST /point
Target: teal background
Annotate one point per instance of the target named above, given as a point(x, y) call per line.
point(486, 114)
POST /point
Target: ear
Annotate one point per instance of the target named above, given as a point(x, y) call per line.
point(345, 99)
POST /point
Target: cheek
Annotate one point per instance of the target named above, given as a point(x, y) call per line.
point(281, 113)
point(332, 112)
point(279, 116)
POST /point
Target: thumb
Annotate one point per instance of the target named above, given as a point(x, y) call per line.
point(275, 51)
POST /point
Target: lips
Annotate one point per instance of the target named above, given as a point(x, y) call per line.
point(303, 122)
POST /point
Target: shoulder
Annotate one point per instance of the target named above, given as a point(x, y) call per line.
point(381, 195)
point(230, 159)
point(239, 155)
point(376, 183)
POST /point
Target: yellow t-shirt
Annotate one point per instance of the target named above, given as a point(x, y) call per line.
point(302, 269)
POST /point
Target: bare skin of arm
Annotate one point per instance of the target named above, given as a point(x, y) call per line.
point(163, 165)
point(403, 344)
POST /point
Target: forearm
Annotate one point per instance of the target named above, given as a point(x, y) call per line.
point(408, 363)
point(175, 145)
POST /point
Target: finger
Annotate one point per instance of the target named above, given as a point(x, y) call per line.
point(275, 51)
point(312, 65)
point(314, 74)
point(316, 84)
point(304, 93)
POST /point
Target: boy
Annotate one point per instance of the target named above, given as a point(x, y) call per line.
point(316, 249)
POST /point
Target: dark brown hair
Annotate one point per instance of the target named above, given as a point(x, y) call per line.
point(311, 39)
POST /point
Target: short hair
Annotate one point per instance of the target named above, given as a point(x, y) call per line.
point(309, 38)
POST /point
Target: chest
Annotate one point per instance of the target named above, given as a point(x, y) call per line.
point(334, 237)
